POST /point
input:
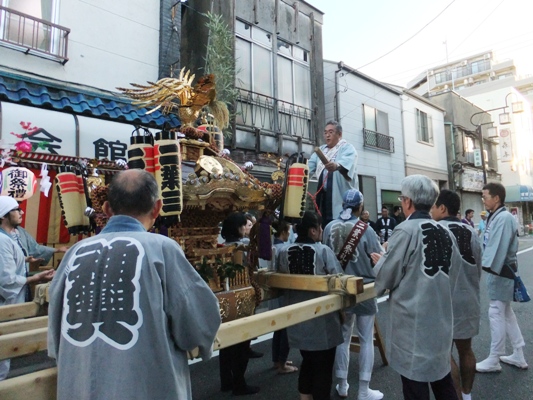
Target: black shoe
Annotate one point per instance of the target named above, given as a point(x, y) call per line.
point(255, 354)
point(246, 390)
point(224, 388)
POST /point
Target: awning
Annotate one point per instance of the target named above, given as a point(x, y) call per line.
point(518, 193)
point(75, 100)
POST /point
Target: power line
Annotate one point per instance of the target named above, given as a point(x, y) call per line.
point(416, 33)
point(477, 27)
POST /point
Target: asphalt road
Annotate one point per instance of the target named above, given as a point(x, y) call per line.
point(510, 384)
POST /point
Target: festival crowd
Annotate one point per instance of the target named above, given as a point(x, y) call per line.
point(126, 306)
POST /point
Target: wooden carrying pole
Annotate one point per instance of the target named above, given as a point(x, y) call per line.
point(17, 311)
point(42, 385)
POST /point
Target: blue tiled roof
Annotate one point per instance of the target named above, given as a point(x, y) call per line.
point(31, 92)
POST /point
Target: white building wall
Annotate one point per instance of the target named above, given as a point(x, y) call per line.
point(354, 91)
point(111, 43)
point(420, 155)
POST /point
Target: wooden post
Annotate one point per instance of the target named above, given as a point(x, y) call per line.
point(22, 343)
point(17, 311)
point(41, 385)
point(23, 325)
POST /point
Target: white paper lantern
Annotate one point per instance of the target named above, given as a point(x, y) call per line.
point(19, 183)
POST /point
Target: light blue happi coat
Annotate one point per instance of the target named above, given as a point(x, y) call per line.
point(347, 157)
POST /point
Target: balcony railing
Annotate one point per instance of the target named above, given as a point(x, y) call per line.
point(379, 141)
point(267, 113)
point(33, 35)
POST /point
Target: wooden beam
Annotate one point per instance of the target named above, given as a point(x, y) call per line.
point(237, 331)
point(40, 385)
point(17, 311)
point(317, 283)
point(22, 343)
point(21, 325)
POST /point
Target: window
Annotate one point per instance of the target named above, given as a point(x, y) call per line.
point(294, 75)
point(254, 59)
point(261, 58)
point(376, 129)
point(376, 120)
point(442, 77)
point(424, 127)
point(30, 25)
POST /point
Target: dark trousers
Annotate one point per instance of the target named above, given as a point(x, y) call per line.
point(280, 346)
point(316, 373)
point(443, 389)
point(325, 201)
point(233, 361)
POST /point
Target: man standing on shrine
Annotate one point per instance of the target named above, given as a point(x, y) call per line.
point(337, 175)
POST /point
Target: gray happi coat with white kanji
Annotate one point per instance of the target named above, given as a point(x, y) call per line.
point(465, 296)
point(310, 258)
point(416, 269)
point(125, 308)
point(500, 244)
point(335, 235)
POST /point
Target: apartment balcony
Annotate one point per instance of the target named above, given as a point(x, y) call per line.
point(271, 115)
point(32, 35)
point(378, 141)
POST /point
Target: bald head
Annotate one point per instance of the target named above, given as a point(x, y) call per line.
point(133, 192)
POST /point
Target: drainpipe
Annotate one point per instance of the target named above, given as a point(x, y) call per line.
point(336, 104)
point(454, 159)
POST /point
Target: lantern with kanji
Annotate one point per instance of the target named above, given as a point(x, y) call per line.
point(167, 162)
point(141, 151)
point(18, 182)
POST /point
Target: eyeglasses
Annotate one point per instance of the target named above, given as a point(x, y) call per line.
point(402, 198)
point(486, 197)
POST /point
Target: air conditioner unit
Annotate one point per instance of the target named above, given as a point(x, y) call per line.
point(464, 63)
point(446, 87)
point(465, 82)
point(470, 157)
point(487, 56)
point(470, 80)
point(492, 74)
point(486, 156)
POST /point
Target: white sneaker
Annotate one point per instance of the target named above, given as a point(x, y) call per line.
point(516, 360)
point(490, 364)
point(342, 390)
point(371, 395)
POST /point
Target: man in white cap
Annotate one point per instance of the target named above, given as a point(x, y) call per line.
point(353, 243)
point(14, 277)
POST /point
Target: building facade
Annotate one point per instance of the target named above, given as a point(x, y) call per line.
point(467, 149)
point(62, 62)
point(424, 138)
point(278, 52)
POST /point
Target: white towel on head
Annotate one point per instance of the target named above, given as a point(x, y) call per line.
point(7, 204)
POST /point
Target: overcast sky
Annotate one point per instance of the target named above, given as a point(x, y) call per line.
point(358, 32)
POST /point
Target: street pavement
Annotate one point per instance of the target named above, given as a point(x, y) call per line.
point(510, 384)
